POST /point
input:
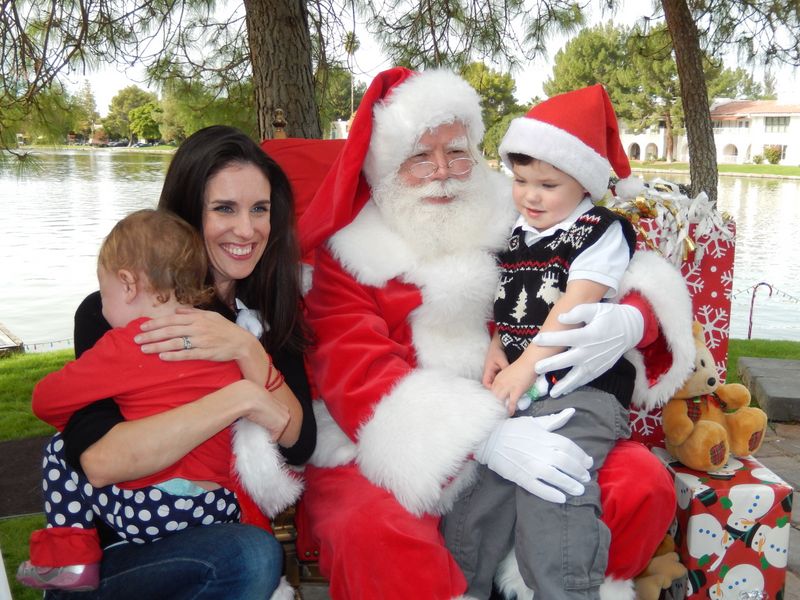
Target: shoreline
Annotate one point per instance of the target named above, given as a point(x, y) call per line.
point(636, 168)
point(720, 173)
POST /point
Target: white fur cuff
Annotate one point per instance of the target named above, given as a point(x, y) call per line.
point(333, 447)
point(284, 591)
point(262, 469)
point(421, 435)
point(662, 285)
point(617, 589)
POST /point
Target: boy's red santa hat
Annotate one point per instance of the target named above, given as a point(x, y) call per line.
point(577, 133)
point(398, 107)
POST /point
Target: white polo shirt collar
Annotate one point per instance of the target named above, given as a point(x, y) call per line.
point(532, 234)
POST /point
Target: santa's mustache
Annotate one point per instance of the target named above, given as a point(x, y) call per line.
point(452, 188)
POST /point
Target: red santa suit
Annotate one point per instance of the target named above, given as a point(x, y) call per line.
point(401, 340)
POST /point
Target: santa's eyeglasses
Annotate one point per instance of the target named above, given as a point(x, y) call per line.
point(457, 166)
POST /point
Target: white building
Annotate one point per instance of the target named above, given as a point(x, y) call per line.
point(339, 129)
point(742, 130)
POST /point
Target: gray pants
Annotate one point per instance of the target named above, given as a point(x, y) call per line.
point(561, 549)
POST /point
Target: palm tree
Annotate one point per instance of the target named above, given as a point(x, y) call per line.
point(351, 45)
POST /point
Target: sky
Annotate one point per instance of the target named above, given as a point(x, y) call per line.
point(369, 61)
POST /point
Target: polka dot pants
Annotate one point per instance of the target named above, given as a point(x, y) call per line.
point(141, 515)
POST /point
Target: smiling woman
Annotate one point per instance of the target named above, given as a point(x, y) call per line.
point(229, 191)
point(235, 224)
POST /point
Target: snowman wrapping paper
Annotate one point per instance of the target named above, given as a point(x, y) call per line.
point(732, 529)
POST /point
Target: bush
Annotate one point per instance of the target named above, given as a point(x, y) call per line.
point(772, 154)
point(758, 159)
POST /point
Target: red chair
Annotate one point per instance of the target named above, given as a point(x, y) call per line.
point(305, 162)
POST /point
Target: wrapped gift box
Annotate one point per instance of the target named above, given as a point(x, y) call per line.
point(732, 529)
point(700, 241)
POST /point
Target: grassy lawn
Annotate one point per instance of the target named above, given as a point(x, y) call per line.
point(749, 169)
point(759, 349)
point(18, 374)
point(14, 534)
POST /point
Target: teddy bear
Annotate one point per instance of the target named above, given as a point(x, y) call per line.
point(664, 568)
point(706, 421)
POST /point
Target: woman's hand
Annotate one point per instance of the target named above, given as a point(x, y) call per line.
point(138, 448)
point(194, 334)
point(212, 337)
point(266, 410)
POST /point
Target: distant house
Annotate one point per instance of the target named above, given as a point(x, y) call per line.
point(742, 130)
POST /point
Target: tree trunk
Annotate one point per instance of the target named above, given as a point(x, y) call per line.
point(694, 95)
point(280, 52)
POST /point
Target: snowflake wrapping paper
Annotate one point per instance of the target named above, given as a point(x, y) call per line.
point(732, 529)
point(699, 240)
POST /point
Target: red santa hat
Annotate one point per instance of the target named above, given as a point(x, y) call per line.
point(397, 108)
point(577, 133)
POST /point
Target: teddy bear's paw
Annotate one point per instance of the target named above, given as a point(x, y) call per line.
point(717, 454)
point(754, 443)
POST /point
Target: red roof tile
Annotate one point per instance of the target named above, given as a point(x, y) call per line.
point(746, 108)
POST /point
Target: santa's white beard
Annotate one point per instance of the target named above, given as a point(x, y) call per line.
point(436, 229)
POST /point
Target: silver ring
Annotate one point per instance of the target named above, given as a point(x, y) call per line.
point(187, 343)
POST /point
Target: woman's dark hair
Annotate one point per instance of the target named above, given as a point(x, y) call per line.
point(273, 288)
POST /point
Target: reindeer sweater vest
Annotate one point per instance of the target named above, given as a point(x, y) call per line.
point(532, 279)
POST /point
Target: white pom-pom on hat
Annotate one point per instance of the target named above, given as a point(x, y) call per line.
point(630, 187)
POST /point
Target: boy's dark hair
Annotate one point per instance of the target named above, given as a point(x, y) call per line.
point(165, 249)
point(273, 288)
point(516, 158)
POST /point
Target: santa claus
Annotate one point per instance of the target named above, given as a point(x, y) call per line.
point(404, 231)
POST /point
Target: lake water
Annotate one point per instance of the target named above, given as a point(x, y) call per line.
point(767, 216)
point(54, 220)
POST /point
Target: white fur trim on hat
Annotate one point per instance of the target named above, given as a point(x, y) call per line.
point(417, 442)
point(262, 470)
point(424, 101)
point(662, 285)
point(561, 149)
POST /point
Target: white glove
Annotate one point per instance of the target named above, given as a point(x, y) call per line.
point(610, 331)
point(524, 450)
